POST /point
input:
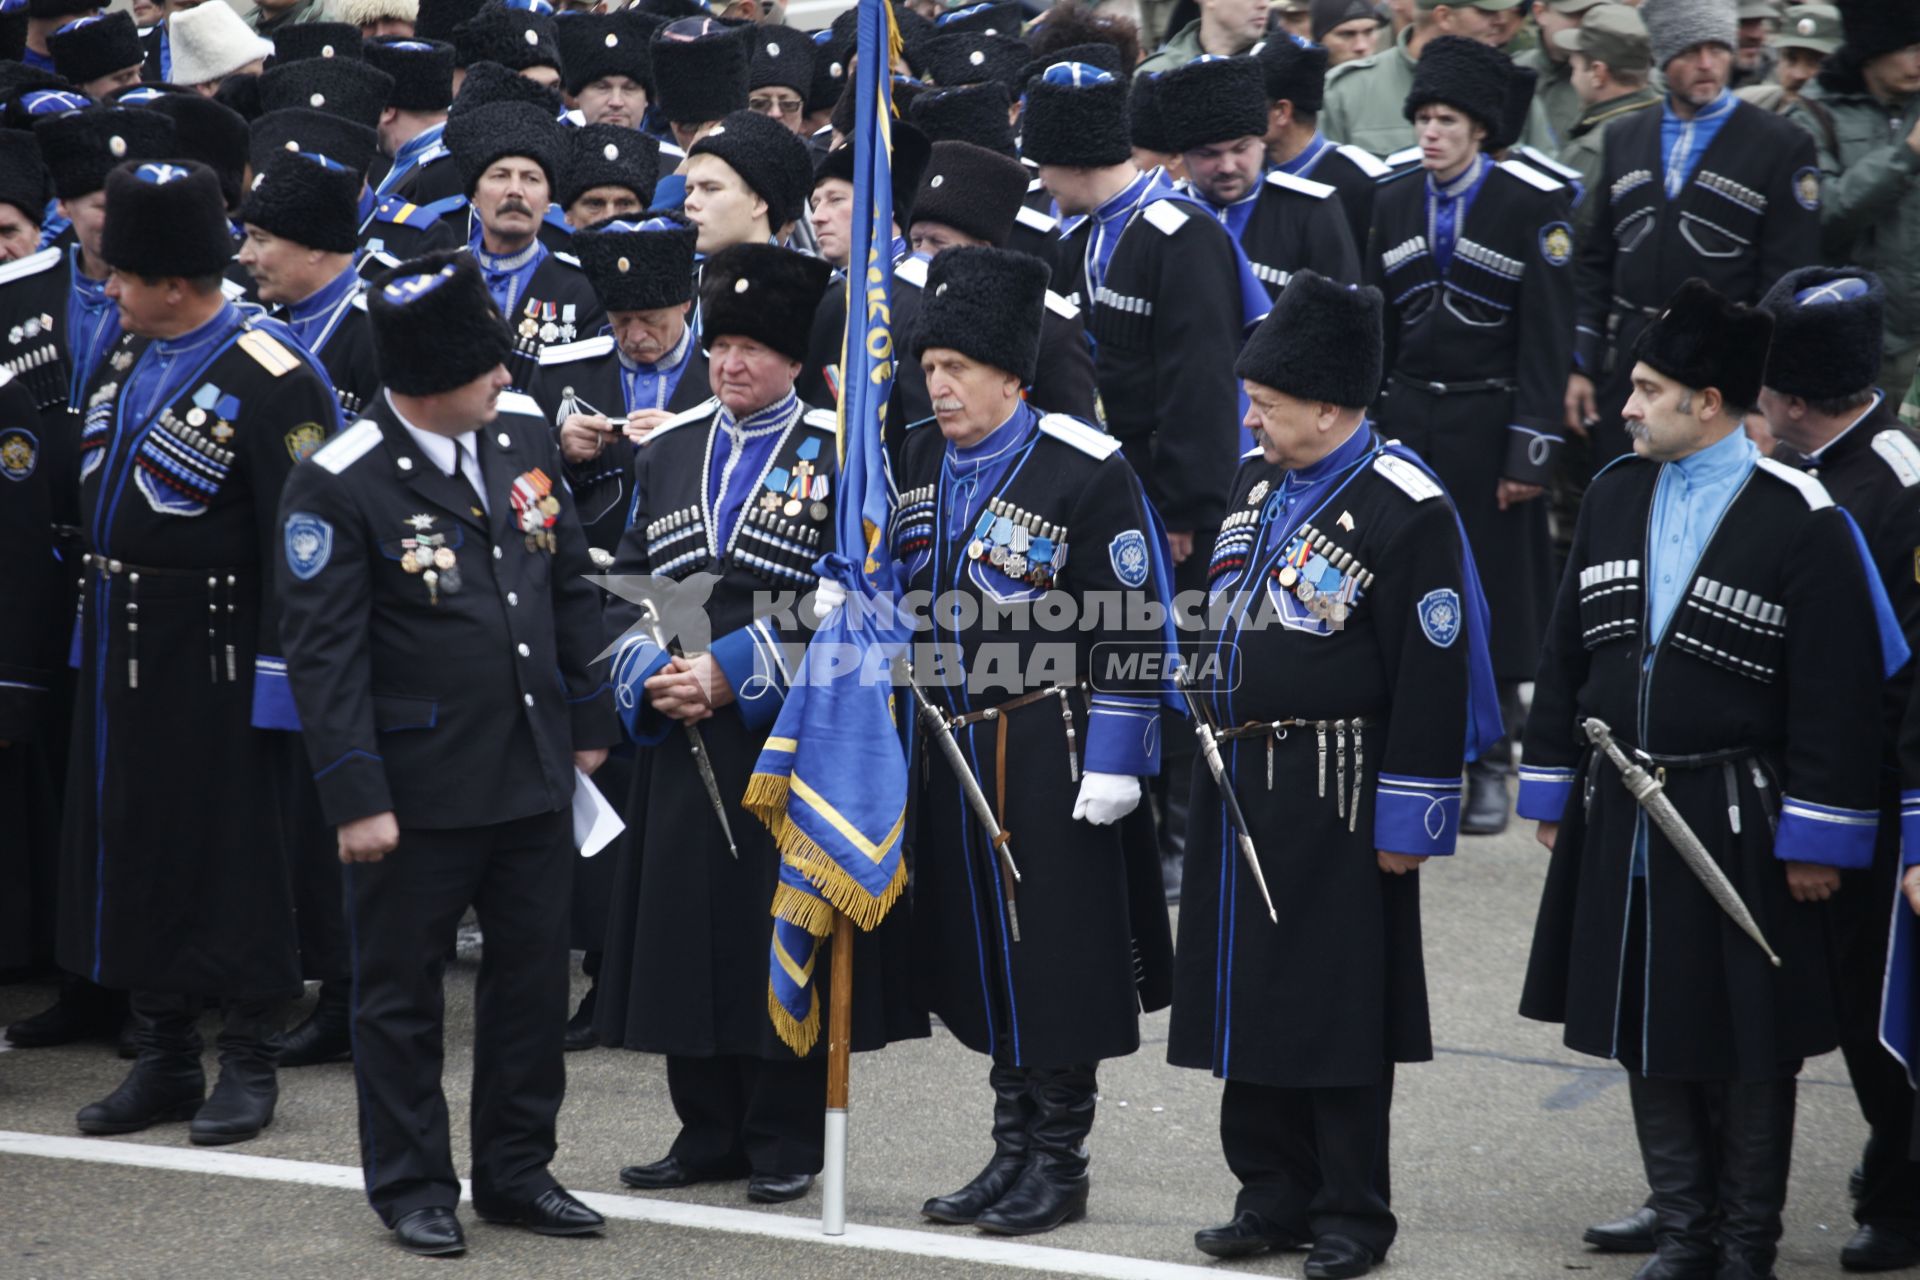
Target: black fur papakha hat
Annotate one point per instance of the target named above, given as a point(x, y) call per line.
point(975, 113)
point(1146, 126)
point(768, 156)
point(214, 134)
point(1827, 325)
point(490, 82)
point(972, 57)
point(780, 56)
point(82, 147)
point(315, 40)
point(987, 304)
point(1874, 27)
point(1703, 339)
point(61, 8)
point(166, 218)
point(422, 72)
point(304, 129)
point(24, 181)
point(1212, 100)
point(762, 292)
point(1077, 115)
point(608, 155)
point(995, 19)
point(1463, 74)
point(975, 191)
point(1104, 56)
point(594, 46)
point(514, 38)
point(480, 137)
point(89, 48)
point(1321, 342)
point(1295, 72)
point(438, 18)
point(699, 70)
point(639, 264)
point(1522, 82)
point(350, 88)
point(910, 151)
point(434, 324)
point(310, 199)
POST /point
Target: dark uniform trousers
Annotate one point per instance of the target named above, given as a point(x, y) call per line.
point(402, 914)
point(1313, 1160)
point(741, 1114)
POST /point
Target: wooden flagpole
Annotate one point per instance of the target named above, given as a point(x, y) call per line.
point(833, 1216)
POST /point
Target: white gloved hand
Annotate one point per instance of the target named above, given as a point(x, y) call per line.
point(829, 596)
point(1106, 797)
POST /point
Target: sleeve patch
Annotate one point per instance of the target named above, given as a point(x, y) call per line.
point(309, 545)
point(1898, 451)
point(19, 453)
point(1439, 612)
point(1806, 188)
point(1128, 553)
point(1556, 244)
point(305, 440)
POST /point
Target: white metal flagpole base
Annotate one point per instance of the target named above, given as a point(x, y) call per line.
point(833, 1191)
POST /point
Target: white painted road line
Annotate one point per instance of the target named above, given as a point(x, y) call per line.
point(924, 1244)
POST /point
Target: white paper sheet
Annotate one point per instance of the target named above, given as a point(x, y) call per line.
point(595, 822)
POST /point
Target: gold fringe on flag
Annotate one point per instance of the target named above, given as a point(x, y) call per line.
point(798, 1036)
point(767, 798)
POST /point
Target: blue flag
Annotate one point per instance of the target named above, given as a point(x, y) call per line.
point(831, 782)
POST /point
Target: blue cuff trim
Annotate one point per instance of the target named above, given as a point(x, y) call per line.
point(364, 755)
point(638, 660)
point(1123, 736)
point(753, 664)
point(1419, 816)
point(1825, 834)
point(1910, 828)
point(1544, 792)
point(273, 696)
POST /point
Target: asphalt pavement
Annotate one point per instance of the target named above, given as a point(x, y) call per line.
point(1504, 1148)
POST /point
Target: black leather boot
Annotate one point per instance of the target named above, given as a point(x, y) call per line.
point(1052, 1188)
point(242, 1101)
point(1631, 1234)
point(326, 1035)
point(1676, 1145)
point(1487, 803)
point(82, 1011)
point(1013, 1111)
point(1756, 1151)
point(166, 1083)
point(580, 1034)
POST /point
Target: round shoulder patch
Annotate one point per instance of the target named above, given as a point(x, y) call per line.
point(305, 440)
point(1806, 188)
point(19, 453)
point(1439, 613)
point(1556, 243)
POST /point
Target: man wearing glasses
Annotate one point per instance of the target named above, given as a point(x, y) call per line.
point(782, 72)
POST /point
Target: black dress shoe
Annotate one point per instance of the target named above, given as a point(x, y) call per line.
point(778, 1188)
point(580, 1034)
point(1631, 1234)
point(433, 1232)
point(1876, 1248)
point(326, 1035)
point(1338, 1258)
point(668, 1172)
point(552, 1213)
point(1249, 1233)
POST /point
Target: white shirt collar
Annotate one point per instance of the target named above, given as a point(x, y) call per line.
point(443, 451)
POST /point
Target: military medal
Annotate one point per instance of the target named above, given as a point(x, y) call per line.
point(121, 361)
point(196, 417)
point(535, 509)
point(549, 332)
point(443, 558)
point(223, 431)
point(1258, 492)
point(818, 511)
point(976, 549)
point(432, 580)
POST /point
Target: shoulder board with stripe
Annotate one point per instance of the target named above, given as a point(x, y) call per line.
point(233, 289)
point(1028, 216)
point(574, 118)
point(268, 352)
point(568, 352)
point(1062, 306)
point(1401, 159)
point(1406, 477)
point(699, 413)
point(1305, 186)
point(1363, 160)
point(403, 213)
point(1035, 185)
point(31, 265)
point(1532, 176)
point(385, 259)
point(432, 153)
point(821, 419)
point(1546, 163)
point(519, 402)
point(673, 150)
point(567, 258)
point(1897, 450)
point(6, 375)
point(1166, 216)
point(1811, 490)
point(1089, 440)
point(347, 448)
point(913, 270)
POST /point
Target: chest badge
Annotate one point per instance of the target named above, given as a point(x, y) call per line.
point(1257, 494)
point(535, 509)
